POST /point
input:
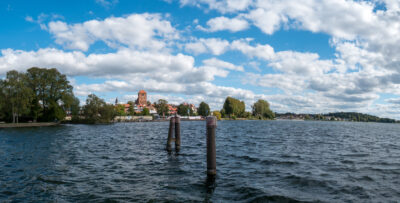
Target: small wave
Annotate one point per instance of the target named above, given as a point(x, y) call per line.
point(274, 198)
point(8, 193)
point(356, 155)
point(255, 195)
point(367, 178)
point(128, 158)
point(248, 158)
point(277, 162)
point(354, 190)
point(306, 181)
point(382, 170)
point(347, 161)
point(46, 180)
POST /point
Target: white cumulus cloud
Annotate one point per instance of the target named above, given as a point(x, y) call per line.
point(224, 23)
point(139, 31)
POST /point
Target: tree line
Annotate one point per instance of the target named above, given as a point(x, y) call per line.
point(46, 95)
point(337, 116)
point(359, 117)
point(234, 108)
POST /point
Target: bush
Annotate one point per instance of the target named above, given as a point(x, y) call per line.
point(217, 114)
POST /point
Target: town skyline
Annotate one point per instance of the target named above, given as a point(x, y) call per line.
point(296, 55)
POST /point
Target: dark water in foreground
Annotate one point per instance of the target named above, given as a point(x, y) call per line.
point(257, 161)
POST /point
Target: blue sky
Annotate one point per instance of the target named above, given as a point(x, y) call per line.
point(313, 56)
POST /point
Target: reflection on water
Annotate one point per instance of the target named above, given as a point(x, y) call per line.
point(257, 161)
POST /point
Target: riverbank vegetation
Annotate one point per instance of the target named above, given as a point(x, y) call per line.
point(338, 116)
point(235, 109)
point(46, 95)
point(40, 94)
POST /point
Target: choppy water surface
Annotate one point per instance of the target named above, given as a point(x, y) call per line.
point(257, 161)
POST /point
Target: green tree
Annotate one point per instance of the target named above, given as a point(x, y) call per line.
point(146, 112)
point(52, 93)
point(234, 107)
point(131, 109)
point(162, 107)
point(120, 110)
point(97, 111)
point(17, 95)
point(204, 109)
point(184, 110)
point(261, 110)
point(75, 109)
point(107, 113)
point(2, 100)
point(55, 111)
point(70, 105)
point(223, 113)
point(246, 114)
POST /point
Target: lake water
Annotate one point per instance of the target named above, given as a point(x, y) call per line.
point(257, 161)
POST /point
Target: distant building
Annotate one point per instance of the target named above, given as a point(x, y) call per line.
point(140, 103)
point(142, 98)
point(172, 109)
point(192, 107)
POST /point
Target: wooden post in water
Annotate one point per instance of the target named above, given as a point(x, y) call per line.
point(170, 133)
point(177, 133)
point(211, 151)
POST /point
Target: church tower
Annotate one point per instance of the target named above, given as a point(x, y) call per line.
point(142, 98)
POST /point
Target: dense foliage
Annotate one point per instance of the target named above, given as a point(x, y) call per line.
point(97, 110)
point(120, 110)
point(131, 109)
point(162, 107)
point(40, 94)
point(233, 107)
point(261, 110)
point(146, 112)
point(204, 109)
point(185, 110)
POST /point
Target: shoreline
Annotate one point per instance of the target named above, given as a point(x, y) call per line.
point(27, 125)
point(49, 124)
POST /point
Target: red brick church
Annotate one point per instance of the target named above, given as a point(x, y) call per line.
point(142, 99)
point(140, 103)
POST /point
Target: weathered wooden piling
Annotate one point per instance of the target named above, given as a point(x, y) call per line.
point(177, 133)
point(211, 151)
point(170, 133)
